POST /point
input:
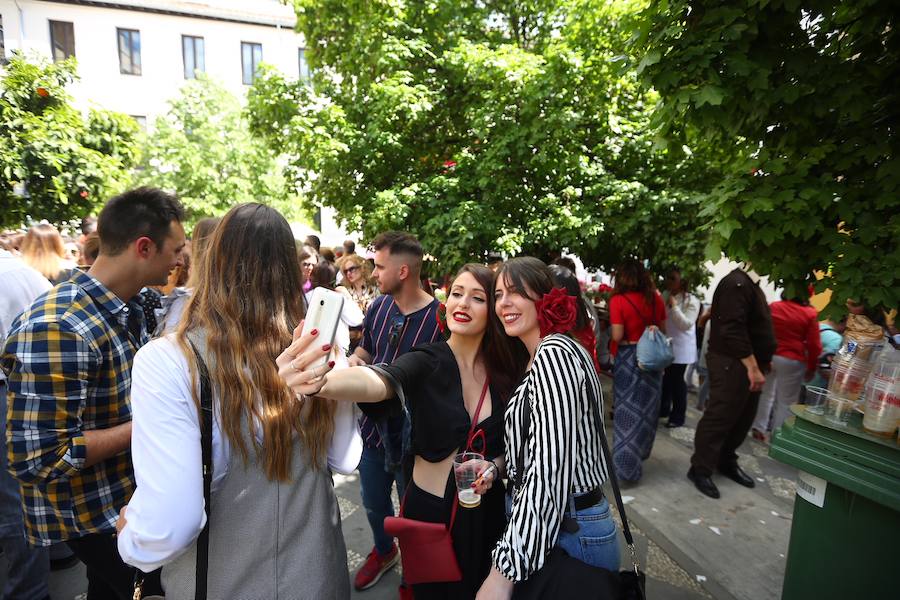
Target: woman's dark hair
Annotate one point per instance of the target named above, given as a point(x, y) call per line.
point(525, 273)
point(631, 276)
point(564, 278)
point(323, 275)
point(504, 358)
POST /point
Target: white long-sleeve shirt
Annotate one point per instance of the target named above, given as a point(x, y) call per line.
point(166, 512)
point(681, 321)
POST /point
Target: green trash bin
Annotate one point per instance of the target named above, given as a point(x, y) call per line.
point(846, 526)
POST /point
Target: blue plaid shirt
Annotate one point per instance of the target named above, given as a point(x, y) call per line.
point(68, 361)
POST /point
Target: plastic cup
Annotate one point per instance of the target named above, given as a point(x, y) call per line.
point(848, 378)
point(816, 399)
point(466, 467)
point(838, 410)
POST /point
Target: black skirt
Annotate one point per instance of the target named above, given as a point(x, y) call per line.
point(475, 534)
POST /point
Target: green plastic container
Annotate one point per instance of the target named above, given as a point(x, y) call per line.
point(847, 547)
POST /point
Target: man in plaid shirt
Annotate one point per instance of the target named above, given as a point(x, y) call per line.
point(68, 362)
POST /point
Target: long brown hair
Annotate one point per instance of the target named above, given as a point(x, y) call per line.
point(504, 358)
point(247, 301)
point(199, 243)
point(43, 250)
point(631, 276)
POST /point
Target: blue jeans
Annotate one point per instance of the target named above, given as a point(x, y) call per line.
point(375, 487)
point(29, 568)
point(596, 542)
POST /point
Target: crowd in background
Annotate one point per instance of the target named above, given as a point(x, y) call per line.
point(104, 426)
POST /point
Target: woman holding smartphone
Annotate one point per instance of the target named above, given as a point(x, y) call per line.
point(274, 523)
point(549, 423)
point(443, 384)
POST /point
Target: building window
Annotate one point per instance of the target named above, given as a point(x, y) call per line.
point(129, 51)
point(192, 49)
point(251, 56)
point(141, 121)
point(304, 66)
point(62, 40)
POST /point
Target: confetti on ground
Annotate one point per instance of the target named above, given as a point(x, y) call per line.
point(715, 530)
point(761, 521)
point(695, 521)
point(627, 499)
point(761, 479)
point(655, 509)
point(774, 514)
point(701, 578)
point(781, 556)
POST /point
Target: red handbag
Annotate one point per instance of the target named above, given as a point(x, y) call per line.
point(426, 549)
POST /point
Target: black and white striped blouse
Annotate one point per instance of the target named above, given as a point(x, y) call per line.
point(562, 455)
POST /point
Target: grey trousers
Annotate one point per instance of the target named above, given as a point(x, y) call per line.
point(782, 388)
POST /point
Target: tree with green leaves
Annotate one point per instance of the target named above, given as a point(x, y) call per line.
point(202, 151)
point(803, 98)
point(503, 125)
point(57, 163)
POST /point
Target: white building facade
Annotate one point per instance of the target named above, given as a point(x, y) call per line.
point(133, 57)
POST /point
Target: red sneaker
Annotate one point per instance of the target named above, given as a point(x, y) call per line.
point(374, 567)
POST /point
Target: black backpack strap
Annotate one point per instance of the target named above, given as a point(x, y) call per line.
point(206, 421)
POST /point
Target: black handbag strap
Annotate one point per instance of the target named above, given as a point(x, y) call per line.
point(206, 421)
point(640, 314)
point(607, 457)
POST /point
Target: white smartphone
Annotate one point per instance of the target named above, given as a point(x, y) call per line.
point(324, 314)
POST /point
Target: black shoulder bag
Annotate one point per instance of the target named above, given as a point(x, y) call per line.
point(152, 580)
point(563, 576)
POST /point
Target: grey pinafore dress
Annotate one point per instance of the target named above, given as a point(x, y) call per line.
point(268, 540)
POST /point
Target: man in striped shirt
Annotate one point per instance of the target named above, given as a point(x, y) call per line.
point(68, 362)
point(404, 317)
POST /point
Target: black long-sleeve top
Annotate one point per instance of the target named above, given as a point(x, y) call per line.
point(741, 320)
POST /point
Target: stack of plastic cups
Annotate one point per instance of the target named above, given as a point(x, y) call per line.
point(882, 396)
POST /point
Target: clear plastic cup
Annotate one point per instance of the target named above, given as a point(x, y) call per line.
point(466, 467)
point(838, 410)
point(816, 399)
point(848, 378)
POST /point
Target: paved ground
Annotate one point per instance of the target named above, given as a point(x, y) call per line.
point(690, 546)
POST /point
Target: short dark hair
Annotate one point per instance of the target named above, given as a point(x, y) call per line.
point(143, 211)
point(401, 242)
point(314, 241)
point(349, 246)
point(88, 225)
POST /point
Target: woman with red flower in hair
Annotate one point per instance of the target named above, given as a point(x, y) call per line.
point(553, 449)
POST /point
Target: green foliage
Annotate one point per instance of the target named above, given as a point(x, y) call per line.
point(804, 98)
point(503, 125)
point(67, 162)
point(202, 151)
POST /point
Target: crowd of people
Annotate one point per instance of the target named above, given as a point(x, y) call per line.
point(167, 416)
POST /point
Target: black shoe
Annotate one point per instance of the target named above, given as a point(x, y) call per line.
point(737, 475)
point(704, 483)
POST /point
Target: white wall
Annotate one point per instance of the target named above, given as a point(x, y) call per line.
point(26, 26)
point(723, 268)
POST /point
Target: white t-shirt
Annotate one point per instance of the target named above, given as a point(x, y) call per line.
point(21, 286)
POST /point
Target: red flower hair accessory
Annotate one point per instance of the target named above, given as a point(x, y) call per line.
point(556, 312)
